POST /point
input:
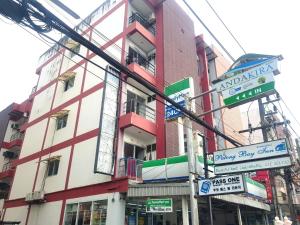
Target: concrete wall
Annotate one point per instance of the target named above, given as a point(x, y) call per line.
point(180, 60)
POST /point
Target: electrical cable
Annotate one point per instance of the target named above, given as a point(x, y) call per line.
point(239, 44)
point(209, 31)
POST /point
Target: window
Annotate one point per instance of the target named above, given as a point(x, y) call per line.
point(69, 83)
point(53, 167)
point(133, 151)
point(71, 213)
point(76, 49)
point(86, 213)
point(151, 98)
point(151, 152)
point(61, 122)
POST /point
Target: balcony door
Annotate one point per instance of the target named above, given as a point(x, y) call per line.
point(133, 151)
point(135, 104)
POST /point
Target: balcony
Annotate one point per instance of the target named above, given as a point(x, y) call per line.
point(141, 33)
point(131, 168)
point(138, 120)
point(7, 170)
point(16, 141)
point(135, 17)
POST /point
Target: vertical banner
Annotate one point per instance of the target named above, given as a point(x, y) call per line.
point(104, 160)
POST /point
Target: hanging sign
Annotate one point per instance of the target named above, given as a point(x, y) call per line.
point(177, 92)
point(248, 85)
point(222, 185)
point(159, 205)
point(251, 152)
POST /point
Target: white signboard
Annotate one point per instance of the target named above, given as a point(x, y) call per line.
point(222, 185)
point(253, 165)
point(251, 152)
point(268, 67)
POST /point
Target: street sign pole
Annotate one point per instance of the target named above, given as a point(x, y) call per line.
point(192, 170)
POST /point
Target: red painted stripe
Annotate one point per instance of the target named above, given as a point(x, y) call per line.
point(64, 105)
point(117, 185)
point(84, 32)
point(160, 80)
point(54, 148)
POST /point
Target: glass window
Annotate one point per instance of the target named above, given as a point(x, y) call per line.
point(71, 213)
point(53, 167)
point(69, 83)
point(61, 122)
point(84, 214)
point(99, 213)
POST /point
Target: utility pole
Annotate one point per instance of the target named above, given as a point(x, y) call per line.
point(191, 165)
point(207, 177)
point(265, 139)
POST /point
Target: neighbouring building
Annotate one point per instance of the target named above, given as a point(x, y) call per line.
point(89, 133)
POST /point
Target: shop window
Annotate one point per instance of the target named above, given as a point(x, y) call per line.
point(86, 213)
point(53, 167)
point(61, 122)
point(69, 83)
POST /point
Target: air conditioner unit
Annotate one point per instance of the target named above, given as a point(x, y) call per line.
point(29, 197)
point(151, 18)
point(15, 126)
point(36, 196)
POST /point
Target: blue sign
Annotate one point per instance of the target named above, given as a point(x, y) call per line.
point(172, 112)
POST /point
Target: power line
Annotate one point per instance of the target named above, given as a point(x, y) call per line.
point(239, 44)
point(209, 31)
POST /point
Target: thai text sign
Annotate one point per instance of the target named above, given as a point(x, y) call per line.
point(251, 152)
point(178, 91)
point(248, 85)
point(159, 205)
point(280, 162)
point(222, 185)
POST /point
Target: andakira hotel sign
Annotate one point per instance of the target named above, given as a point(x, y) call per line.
point(251, 152)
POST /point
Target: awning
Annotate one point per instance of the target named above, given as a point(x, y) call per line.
point(181, 189)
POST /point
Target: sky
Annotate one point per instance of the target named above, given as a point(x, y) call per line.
point(265, 27)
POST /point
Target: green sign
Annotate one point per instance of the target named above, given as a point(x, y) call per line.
point(249, 94)
point(249, 84)
point(177, 92)
point(159, 205)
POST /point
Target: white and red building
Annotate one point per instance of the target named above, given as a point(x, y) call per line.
point(88, 132)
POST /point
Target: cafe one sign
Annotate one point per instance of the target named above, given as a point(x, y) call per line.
point(272, 154)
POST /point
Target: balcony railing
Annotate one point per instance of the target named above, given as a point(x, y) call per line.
point(137, 17)
point(16, 136)
point(139, 108)
point(131, 168)
point(7, 166)
point(142, 62)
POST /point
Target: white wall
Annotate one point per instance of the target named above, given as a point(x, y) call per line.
point(57, 136)
point(115, 21)
point(16, 214)
point(24, 178)
point(42, 103)
point(33, 139)
point(83, 164)
point(90, 112)
point(45, 214)
point(57, 182)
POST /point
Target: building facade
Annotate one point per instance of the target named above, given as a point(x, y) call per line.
point(91, 127)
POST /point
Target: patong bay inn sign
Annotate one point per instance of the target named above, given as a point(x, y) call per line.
point(267, 155)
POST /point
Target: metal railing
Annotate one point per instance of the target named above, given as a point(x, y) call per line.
point(131, 168)
point(17, 135)
point(7, 166)
point(137, 17)
point(142, 62)
point(139, 108)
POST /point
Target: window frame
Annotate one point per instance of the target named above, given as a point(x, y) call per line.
point(62, 121)
point(53, 166)
point(69, 83)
